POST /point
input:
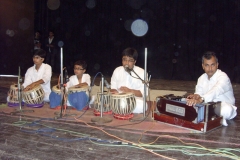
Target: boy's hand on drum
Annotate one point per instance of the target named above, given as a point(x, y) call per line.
point(113, 91)
point(125, 89)
point(81, 85)
point(31, 86)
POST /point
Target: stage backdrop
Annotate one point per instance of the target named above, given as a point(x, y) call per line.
point(98, 30)
point(16, 35)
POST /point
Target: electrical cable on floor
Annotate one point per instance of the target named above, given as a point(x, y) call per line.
point(126, 141)
point(195, 144)
point(224, 152)
point(51, 129)
point(184, 149)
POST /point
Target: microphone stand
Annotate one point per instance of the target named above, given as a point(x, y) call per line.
point(101, 119)
point(145, 84)
point(62, 85)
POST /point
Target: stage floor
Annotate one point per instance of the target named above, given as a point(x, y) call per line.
point(43, 134)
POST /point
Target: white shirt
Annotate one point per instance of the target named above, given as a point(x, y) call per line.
point(217, 88)
point(73, 80)
point(122, 78)
point(44, 73)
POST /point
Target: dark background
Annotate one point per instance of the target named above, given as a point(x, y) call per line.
point(179, 32)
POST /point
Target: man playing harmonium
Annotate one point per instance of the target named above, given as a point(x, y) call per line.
point(214, 86)
point(126, 81)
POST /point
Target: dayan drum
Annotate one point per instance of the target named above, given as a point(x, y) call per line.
point(56, 89)
point(34, 97)
point(78, 97)
point(55, 97)
point(123, 105)
point(13, 99)
point(106, 109)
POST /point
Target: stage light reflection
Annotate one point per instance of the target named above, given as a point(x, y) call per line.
point(53, 4)
point(128, 24)
point(90, 4)
point(97, 66)
point(24, 24)
point(139, 27)
point(87, 33)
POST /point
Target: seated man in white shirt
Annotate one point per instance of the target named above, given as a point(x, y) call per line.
point(214, 86)
point(125, 80)
point(39, 74)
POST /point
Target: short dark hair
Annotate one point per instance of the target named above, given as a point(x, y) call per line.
point(81, 63)
point(208, 55)
point(130, 52)
point(39, 52)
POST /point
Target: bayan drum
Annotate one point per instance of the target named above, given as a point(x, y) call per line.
point(123, 105)
point(55, 97)
point(34, 97)
point(106, 104)
point(12, 99)
point(78, 97)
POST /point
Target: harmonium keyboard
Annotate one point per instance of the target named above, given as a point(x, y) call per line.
point(201, 117)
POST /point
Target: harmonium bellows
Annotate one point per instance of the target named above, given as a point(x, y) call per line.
point(201, 117)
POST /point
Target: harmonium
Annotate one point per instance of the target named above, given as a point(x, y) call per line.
point(201, 117)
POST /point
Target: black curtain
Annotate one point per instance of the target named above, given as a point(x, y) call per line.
point(179, 32)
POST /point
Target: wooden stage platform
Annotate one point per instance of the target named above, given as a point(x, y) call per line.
point(43, 135)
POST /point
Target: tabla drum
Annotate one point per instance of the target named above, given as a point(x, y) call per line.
point(106, 109)
point(55, 97)
point(78, 97)
point(13, 100)
point(122, 105)
point(56, 89)
point(34, 97)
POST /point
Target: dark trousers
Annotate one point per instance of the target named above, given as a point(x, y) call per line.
point(53, 59)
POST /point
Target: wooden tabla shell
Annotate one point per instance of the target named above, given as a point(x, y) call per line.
point(123, 103)
point(34, 96)
point(106, 102)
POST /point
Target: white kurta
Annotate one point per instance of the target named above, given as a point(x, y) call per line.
point(44, 73)
point(122, 78)
point(218, 88)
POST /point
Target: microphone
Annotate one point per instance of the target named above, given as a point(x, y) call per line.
point(66, 75)
point(107, 84)
point(60, 44)
point(127, 69)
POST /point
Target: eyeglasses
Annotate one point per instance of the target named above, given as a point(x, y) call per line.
point(78, 69)
point(128, 60)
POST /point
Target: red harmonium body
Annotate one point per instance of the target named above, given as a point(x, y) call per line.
point(201, 117)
